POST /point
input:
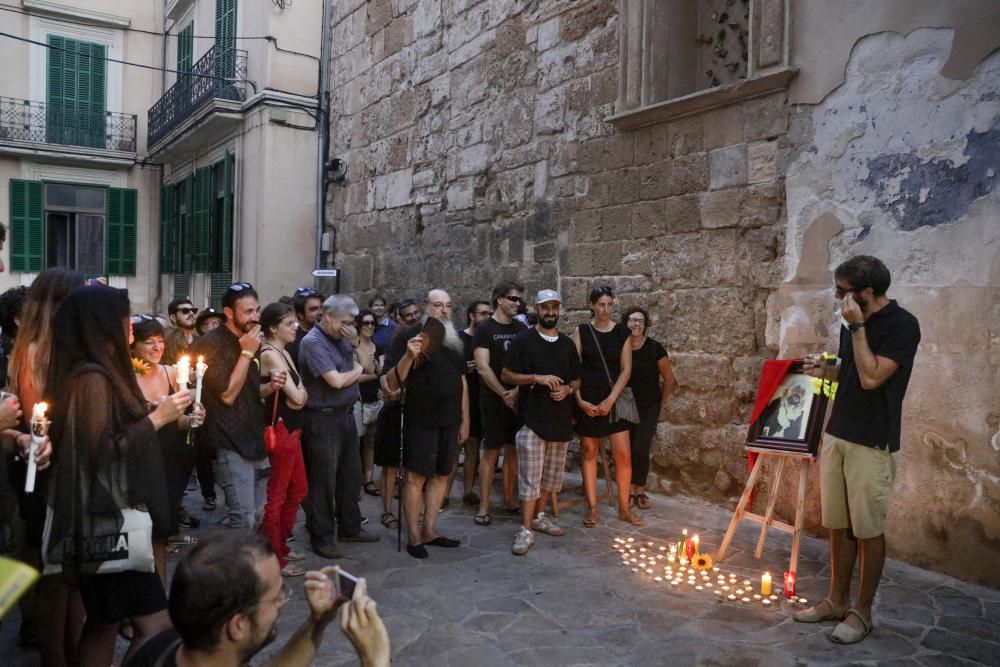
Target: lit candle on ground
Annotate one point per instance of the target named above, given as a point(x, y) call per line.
point(698, 588)
point(657, 578)
point(708, 584)
point(732, 597)
point(746, 599)
point(756, 596)
point(746, 582)
point(765, 584)
point(767, 603)
point(789, 584)
point(697, 541)
point(803, 601)
point(183, 371)
point(39, 429)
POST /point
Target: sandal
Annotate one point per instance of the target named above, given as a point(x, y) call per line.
point(630, 517)
point(295, 555)
point(815, 614)
point(292, 571)
point(846, 634)
point(482, 519)
point(389, 520)
point(591, 518)
point(371, 489)
point(642, 501)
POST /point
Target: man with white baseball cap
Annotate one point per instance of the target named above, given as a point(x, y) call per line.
point(545, 364)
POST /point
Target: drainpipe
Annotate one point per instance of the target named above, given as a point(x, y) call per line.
point(323, 133)
point(158, 300)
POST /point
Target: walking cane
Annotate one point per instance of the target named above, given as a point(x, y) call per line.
point(399, 468)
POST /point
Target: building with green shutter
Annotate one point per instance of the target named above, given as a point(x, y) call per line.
point(172, 178)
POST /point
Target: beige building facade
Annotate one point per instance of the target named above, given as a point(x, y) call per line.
point(175, 172)
point(713, 161)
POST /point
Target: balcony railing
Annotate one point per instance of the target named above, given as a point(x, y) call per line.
point(220, 74)
point(26, 120)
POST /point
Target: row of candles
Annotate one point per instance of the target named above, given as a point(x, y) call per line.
point(40, 423)
point(647, 559)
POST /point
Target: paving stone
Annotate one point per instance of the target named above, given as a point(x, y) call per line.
point(972, 627)
point(955, 605)
point(951, 643)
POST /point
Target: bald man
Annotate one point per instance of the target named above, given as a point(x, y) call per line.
point(435, 417)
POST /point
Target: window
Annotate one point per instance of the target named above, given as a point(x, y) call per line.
point(185, 48)
point(225, 38)
point(86, 228)
point(75, 93)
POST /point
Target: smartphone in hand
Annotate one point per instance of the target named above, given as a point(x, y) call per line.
point(345, 585)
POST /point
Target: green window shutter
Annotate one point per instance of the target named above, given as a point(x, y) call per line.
point(201, 227)
point(182, 286)
point(27, 227)
point(75, 108)
point(122, 227)
point(185, 48)
point(220, 281)
point(225, 39)
point(168, 229)
point(224, 259)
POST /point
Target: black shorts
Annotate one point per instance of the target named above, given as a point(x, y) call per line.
point(387, 436)
point(110, 598)
point(500, 423)
point(429, 450)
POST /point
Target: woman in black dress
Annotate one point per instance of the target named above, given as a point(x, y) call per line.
point(104, 438)
point(650, 364)
point(606, 360)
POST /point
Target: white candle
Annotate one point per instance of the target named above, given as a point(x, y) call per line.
point(200, 369)
point(39, 428)
point(183, 371)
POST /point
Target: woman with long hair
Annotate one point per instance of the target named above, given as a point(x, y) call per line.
point(368, 354)
point(104, 437)
point(157, 381)
point(52, 611)
point(287, 485)
point(606, 364)
point(652, 381)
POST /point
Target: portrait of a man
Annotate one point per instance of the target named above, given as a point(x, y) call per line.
point(787, 414)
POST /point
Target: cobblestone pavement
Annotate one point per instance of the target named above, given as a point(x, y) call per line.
point(570, 601)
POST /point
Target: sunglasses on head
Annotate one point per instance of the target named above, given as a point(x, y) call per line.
point(306, 291)
point(139, 319)
point(239, 287)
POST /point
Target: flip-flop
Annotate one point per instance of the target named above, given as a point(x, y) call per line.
point(482, 519)
point(846, 634)
point(292, 571)
point(445, 542)
point(591, 518)
point(389, 520)
point(295, 555)
point(371, 489)
point(642, 501)
point(815, 614)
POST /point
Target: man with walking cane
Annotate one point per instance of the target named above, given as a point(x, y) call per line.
point(431, 364)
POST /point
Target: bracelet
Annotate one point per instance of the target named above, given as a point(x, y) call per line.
point(247, 353)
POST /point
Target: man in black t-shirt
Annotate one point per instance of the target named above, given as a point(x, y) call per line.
point(857, 467)
point(435, 419)
point(546, 365)
point(497, 401)
point(477, 313)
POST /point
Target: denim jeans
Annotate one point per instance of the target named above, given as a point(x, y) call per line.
point(245, 485)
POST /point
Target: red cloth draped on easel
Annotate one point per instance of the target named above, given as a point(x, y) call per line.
point(774, 372)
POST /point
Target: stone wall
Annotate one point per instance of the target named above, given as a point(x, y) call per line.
point(478, 148)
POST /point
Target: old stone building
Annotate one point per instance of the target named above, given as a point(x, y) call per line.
point(713, 161)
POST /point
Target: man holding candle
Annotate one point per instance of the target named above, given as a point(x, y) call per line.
point(878, 343)
point(234, 423)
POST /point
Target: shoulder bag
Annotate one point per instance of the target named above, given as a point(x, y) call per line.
point(270, 434)
point(625, 407)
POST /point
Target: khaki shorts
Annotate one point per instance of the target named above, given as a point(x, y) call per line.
point(855, 483)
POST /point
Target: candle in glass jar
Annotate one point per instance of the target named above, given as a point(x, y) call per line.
point(789, 584)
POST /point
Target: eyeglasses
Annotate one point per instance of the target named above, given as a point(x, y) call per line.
point(637, 320)
point(841, 291)
point(239, 287)
point(306, 291)
point(283, 597)
point(187, 310)
point(484, 313)
point(139, 319)
point(512, 298)
point(368, 323)
point(441, 304)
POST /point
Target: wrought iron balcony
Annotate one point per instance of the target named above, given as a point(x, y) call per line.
point(26, 120)
point(219, 74)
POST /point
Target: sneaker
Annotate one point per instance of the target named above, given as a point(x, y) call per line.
point(522, 541)
point(362, 536)
point(546, 525)
point(186, 520)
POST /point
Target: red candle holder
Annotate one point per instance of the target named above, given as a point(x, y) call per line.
point(789, 584)
point(689, 549)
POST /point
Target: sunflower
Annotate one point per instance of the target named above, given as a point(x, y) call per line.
point(701, 562)
point(140, 366)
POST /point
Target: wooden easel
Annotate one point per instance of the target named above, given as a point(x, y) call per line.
point(558, 505)
point(767, 520)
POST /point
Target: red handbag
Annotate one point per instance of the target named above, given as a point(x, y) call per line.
point(270, 432)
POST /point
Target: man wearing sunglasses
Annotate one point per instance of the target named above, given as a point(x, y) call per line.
point(878, 342)
point(179, 337)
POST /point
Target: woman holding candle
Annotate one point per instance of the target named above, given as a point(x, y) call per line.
point(287, 486)
point(104, 437)
point(652, 380)
point(157, 381)
point(606, 359)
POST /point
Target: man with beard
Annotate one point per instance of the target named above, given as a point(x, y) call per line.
point(225, 600)
point(545, 364)
point(435, 417)
point(878, 343)
point(179, 337)
point(477, 313)
point(784, 416)
point(497, 401)
point(234, 421)
point(308, 305)
point(330, 371)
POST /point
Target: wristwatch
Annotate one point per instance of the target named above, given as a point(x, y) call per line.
point(855, 326)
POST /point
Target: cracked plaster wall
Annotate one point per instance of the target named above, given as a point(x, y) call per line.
point(903, 163)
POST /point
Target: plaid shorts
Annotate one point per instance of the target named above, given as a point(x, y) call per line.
point(541, 464)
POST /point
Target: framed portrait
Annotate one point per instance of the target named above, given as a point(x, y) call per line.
point(793, 419)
